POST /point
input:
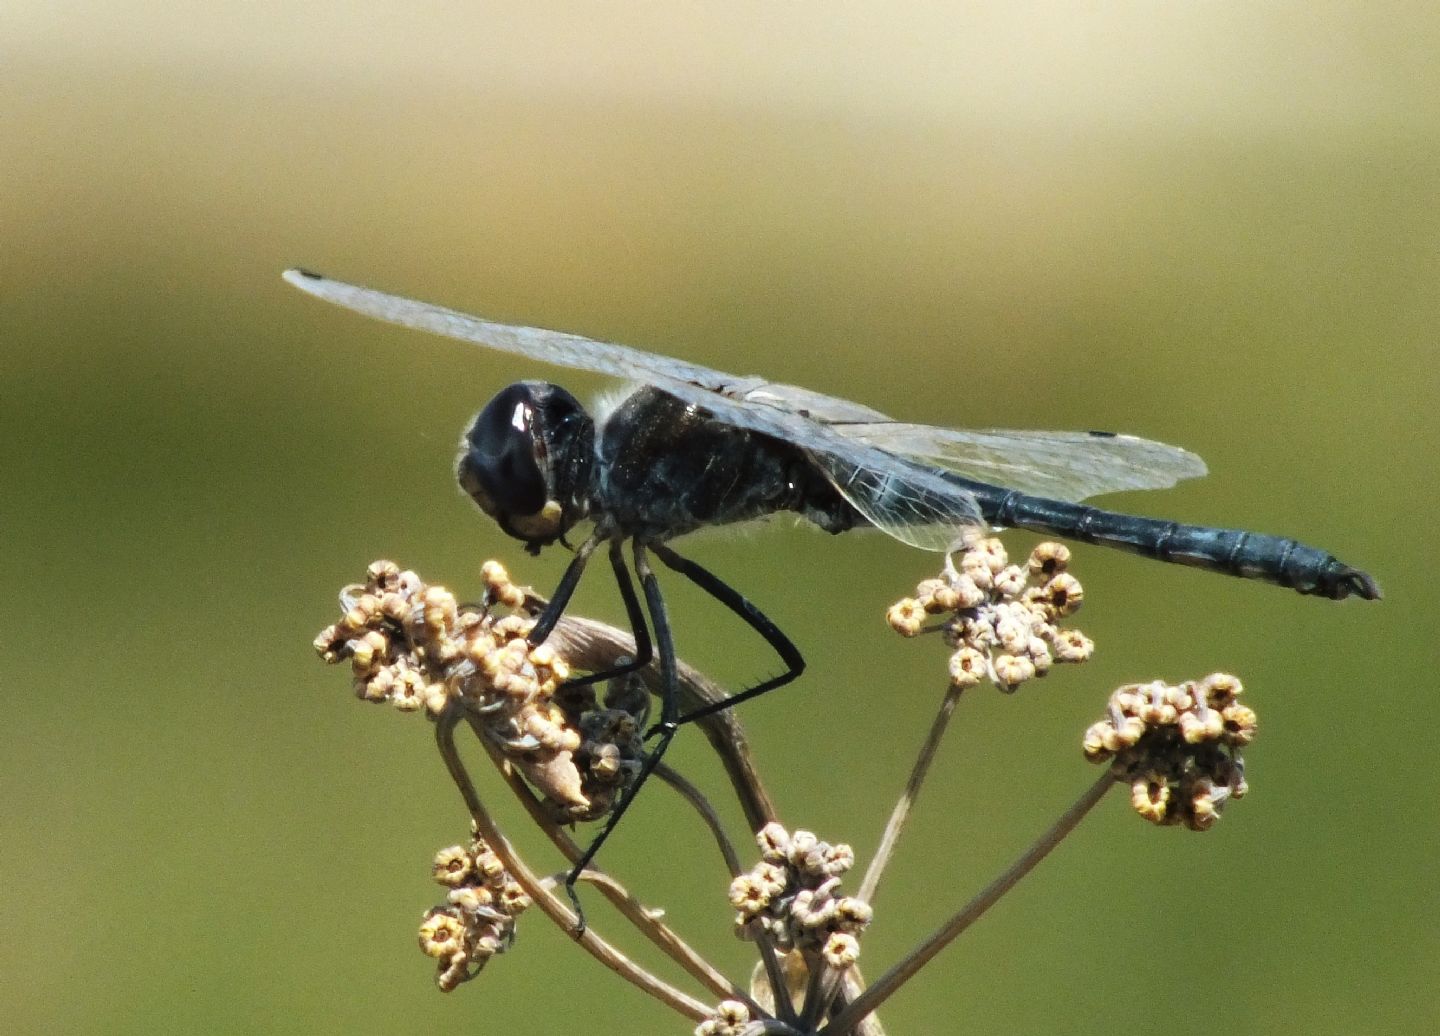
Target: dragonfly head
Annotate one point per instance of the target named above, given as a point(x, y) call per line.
point(526, 461)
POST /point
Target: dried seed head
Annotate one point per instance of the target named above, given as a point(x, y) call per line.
point(1178, 747)
point(1011, 672)
point(1010, 581)
point(1001, 627)
point(1072, 646)
point(610, 752)
point(478, 918)
point(841, 950)
point(749, 897)
point(852, 915)
point(1049, 559)
point(906, 616)
point(441, 933)
point(453, 866)
point(1060, 596)
point(968, 667)
point(774, 842)
point(412, 645)
point(513, 898)
point(730, 1019)
point(498, 587)
point(793, 894)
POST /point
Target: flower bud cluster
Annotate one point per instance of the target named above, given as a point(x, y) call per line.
point(1178, 747)
point(794, 895)
point(1002, 620)
point(730, 1018)
point(477, 920)
point(414, 646)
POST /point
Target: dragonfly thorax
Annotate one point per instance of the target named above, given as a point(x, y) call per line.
point(665, 467)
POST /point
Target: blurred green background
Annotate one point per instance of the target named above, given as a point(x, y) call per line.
point(1212, 224)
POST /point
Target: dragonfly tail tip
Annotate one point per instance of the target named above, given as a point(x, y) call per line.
point(1361, 584)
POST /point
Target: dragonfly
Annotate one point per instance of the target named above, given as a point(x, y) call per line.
point(691, 447)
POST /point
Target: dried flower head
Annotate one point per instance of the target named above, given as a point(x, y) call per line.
point(1178, 747)
point(612, 743)
point(412, 645)
point(477, 920)
point(453, 866)
point(729, 1019)
point(1002, 619)
point(793, 893)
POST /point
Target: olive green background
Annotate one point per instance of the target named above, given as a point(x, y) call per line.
point(1212, 224)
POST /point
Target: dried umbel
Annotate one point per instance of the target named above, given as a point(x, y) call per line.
point(414, 646)
point(793, 894)
point(1178, 747)
point(477, 920)
point(1002, 620)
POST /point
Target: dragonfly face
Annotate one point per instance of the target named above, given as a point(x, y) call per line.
point(525, 460)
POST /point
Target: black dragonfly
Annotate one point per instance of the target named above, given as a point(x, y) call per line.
point(692, 447)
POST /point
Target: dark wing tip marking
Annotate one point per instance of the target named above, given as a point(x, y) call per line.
point(1102, 435)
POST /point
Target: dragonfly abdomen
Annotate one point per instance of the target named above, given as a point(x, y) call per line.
point(1249, 555)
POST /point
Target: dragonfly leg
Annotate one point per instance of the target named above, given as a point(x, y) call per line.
point(560, 599)
point(754, 618)
point(643, 650)
point(669, 708)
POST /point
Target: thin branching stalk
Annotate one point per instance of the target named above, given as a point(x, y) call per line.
point(772, 1027)
point(832, 982)
point(549, 903)
point(643, 919)
point(701, 805)
point(815, 999)
point(775, 975)
point(901, 973)
point(664, 937)
point(901, 813)
point(851, 988)
point(591, 645)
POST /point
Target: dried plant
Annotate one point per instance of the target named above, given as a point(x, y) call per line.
point(569, 755)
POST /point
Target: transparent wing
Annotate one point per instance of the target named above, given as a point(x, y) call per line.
point(905, 507)
point(567, 350)
point(1059, 465)
point(557, 347)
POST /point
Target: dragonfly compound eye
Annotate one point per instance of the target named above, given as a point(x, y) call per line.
point(506, 459)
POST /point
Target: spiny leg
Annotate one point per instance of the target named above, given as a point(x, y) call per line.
point(754, 618)
point(669, 707)
point(670, 720)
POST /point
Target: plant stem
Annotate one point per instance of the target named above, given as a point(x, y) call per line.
point(548, 902)
point(901, 812)
point(643, 919)
point(893, 979)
